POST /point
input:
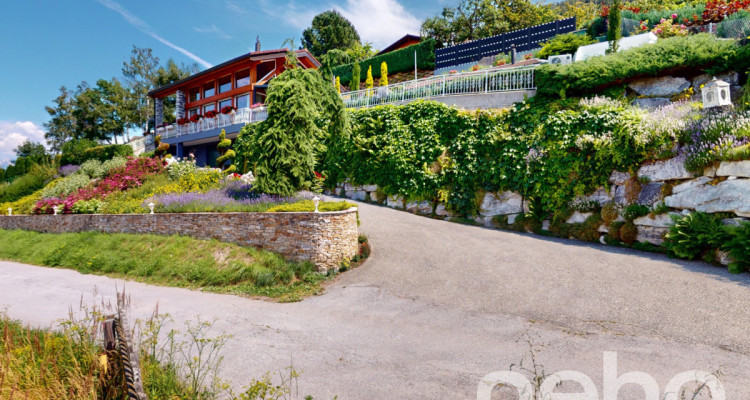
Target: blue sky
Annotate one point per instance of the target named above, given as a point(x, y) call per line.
point(46, 44)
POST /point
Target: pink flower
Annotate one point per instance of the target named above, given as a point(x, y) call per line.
point(658, 30)
point(674, 16)
point(683, 27)
point(663, 21)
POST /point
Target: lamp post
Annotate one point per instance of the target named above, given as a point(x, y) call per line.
point(151, 207)
point(716, 94)
point(54, 210)
point(316, 201)
point(10, 211)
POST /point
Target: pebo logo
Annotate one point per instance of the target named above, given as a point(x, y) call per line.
point(611, 384)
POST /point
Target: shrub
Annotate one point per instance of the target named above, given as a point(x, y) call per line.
point(26, 184)
point(634, 211)
point(66, 170)
point(628, 232)
point(614, 29)
point(66, 186)
point(225, 154)
point(564, 44)
point(92, 206)
point(369, 81)
point(738, 247)
point(695, 53)
point(308, 206)
point(73, 151)
point(160, 150)
point(718, 136)
point(609, 213)
point(383, 74)
point(24, 205)
point(108, 152)
point(693, 235)
point(614, 231)
point(354, 84)
point(401, 60)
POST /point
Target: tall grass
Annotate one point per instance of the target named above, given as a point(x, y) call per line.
point(167, 260)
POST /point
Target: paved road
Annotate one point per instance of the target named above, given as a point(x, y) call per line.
point(439, 305)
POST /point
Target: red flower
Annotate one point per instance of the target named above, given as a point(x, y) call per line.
point(196, 118)
point(227, 109)
point(318, 175)
point(210, 114)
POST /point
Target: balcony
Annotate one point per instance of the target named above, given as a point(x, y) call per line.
point(241, 116)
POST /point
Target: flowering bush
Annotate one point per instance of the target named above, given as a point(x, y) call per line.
point(66, 170)
point(666, 28)
point(228, 109)
point(183, 121)
point(196, 118)
point(210, 114)
point(92, 206)
point(719, 135)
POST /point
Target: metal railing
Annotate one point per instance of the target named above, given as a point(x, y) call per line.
point(483, 81)
point(240, 116)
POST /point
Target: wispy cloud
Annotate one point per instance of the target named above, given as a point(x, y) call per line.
point(13, 134)
point(378, 21)
point(235, 8)
point(145, 28)
point(213, 30)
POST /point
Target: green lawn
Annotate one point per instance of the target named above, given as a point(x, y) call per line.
point(167, 260)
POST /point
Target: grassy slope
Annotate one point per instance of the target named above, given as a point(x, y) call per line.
point(167, 260)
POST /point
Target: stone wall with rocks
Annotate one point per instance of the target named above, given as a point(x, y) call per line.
point(724, 188)
point(660, 91)
point(324, 238)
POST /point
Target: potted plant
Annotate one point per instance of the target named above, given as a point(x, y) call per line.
point(196, 118)
point(210, 114)
point(228, 110)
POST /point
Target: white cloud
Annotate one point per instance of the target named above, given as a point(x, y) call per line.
point(381, 22)
point(13, 134)
point(213, 30)
point(145, 28)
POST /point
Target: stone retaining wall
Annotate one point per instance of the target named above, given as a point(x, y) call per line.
point(324, 238)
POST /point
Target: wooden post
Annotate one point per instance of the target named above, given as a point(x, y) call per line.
point(129, 355)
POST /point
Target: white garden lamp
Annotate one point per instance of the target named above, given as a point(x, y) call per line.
point(716, 94)
point(151, 207)
point(10, 211)
point(316, 201)
point(55, 209)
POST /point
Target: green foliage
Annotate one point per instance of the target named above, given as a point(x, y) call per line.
point(737, 245)
point(654, 16)
point(614, 231)
point(92, 206)
point(305, 117)
point(73, 151)
point(308, 206)
point(167, 260)
point(614, 28)
point(108, 152)
point(401, 60)
point(383, 74)
point(693, 235)
point(226, 154)
point(329, 30)
point(588, 230)
point(354, 84)
point(66, 185)
point(695, 53)
point(24, 205)
point(31, 150)
point(634, 211)
point(609, 213)
point(160, 150)
point(369, 81)
point(26, 184)
point(628, 232)
point(566, 43)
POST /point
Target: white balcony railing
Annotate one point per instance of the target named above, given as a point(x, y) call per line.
point(240, 116)
point(484, 81)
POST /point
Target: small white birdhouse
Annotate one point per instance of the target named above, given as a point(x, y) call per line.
point(715, 94)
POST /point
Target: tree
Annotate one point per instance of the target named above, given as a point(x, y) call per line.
point(169, 73)
point(583, 10)
point(369, 82)
point(383, 74)
point(477, 19)
point(333, 58)
point(354, 85)
point(61, 126)
point(140, 73)
point(614, 29)
point(361, 51)
point(100, 111)
point(304, 113)
point(226, 154)
point(31, 150)
point(329, 30)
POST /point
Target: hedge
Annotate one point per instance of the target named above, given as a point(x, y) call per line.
point(697, 53)
point(76, 152)
point(401, 60)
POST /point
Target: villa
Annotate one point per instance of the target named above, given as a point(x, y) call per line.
point(227, 96)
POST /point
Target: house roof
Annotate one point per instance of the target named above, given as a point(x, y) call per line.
point(395, 45)
point(252, 55)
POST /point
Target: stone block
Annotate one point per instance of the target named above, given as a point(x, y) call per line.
point(650, 234)
point(650, 193)
point(600, 196)
point(578, 217)
point(701, 180)
point(395, 202)
point(619, 178)
point(663, 86)
point(359, 195)
point(650, 103)
point(667, 170)
point(441, 211)
point(369, 188)
point(727, 196)
point(658, 221)
point(734, 168)
point(732, 78)
point(501, 204)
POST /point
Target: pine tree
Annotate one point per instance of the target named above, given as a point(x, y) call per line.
point(369, 82)
point(354, 85)
point(383, 74)
point(227, 154)
point(614, 31)
point(338, 84)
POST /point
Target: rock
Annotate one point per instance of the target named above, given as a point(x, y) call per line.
point(663, 86)
point(734, 168)
point(578, 217)
point(723, 257)
point(359, 195)
point(545, 225)
point(658, 221)
point(340, 191)
point(600, 196)
point(651, 234)
point(369, 188)
point(702, 180)
point(603, 228)
point(619, 195)
point(395, 202)
point(377, 197)
point(727, 196)
point(710, 171)
point(441, 211)
point(668, 170)
point(619, 178)
point(512, 218)
point(650, 103)
point(733, 221)
point(419, 207)
point(650, 193)
point(731, 78)
point(501, 204)
point(484, 221)
point(602, 240)
point(349, 187)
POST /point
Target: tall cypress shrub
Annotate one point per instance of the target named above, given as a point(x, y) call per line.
point(614, 31)
point(355, 77)
point(383, 74)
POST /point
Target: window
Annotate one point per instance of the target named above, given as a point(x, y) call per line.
point(242, 78)
point(192, 112)
point(225, 103)
point(264, 68)
point(209, 89)
point(243, 101)
point(225, 84)
point(194, 94)
point(209, 107)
